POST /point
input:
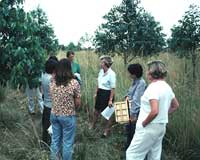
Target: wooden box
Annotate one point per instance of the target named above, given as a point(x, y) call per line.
point(121, 112)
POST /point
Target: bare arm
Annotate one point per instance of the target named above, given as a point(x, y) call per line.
point(96, 90)
point(77, 102)
point(77, 95)
point(154, 112)
point(174, 106)
point(112, 93)
point(95, 95)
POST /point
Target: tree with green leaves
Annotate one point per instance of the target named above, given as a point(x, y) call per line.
point(72, 47)
point(185, 38)
point(45, 31)
point(22, 44)
point(129, 31)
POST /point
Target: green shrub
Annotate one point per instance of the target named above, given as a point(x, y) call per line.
point(2, 94)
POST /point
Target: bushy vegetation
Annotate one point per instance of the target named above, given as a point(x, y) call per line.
point(19, 141)
point(25, 41)
point(2, 94)
point(185, 38)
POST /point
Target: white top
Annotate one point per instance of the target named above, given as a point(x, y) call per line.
point(107, 80)
point(162, 92)
point(45, 80)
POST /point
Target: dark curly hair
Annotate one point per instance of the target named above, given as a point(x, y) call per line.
point(50, 66)
point(135, 69)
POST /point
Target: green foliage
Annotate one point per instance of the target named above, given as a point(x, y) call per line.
point(2, 94)
point(9, 116)
point(129, 31)
point(186, 35)
point(45, 31)
point(72, 47)
point(25, 38)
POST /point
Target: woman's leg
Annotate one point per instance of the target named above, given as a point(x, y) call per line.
point(143, 142)
point(45, 125)
point(56, 139)
point(156, 149)
point(30, 95)
point(140, 145)
point(101, 102)
point(130, 131)
point(69, 128)
point(107, 127)
point(95, 118)
point(39, 99)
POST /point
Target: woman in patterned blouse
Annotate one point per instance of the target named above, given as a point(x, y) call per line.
point(65, 92)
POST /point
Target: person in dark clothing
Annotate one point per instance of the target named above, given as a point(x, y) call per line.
point(50, 67)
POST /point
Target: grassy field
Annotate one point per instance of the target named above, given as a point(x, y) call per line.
point(21, 133)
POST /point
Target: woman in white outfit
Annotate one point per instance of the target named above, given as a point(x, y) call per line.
point(158, 100)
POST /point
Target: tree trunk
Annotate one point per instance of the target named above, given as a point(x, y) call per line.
point(185, 65)
point(193, 65)
point(125, 58)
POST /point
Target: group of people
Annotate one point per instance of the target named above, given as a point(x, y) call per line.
point(58, 97)
point(148, 110)
point(156, 101)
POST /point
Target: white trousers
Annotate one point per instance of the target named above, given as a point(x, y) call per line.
point(31, 93)
point(147, 141)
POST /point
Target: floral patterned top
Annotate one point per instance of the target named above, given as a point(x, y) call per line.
point(63, 97)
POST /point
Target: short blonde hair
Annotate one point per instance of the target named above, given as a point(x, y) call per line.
point(157, 69)
point(107, 60)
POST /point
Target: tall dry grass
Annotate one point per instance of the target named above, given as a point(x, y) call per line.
point(20, 140)
point(183, 130)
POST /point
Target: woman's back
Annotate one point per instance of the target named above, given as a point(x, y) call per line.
point(162, 92)
point(63, 97)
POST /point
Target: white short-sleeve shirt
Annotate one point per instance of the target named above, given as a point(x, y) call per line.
point(106, 80)
point(45, 81)
point(162, 92)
